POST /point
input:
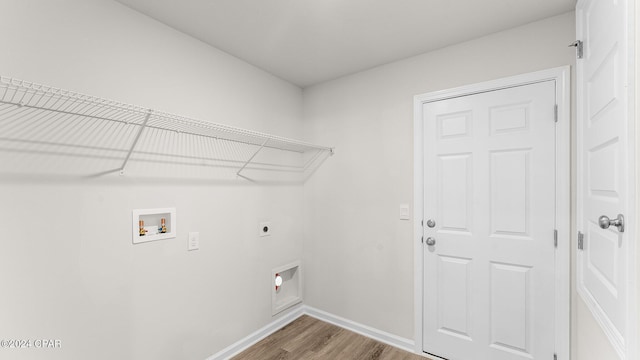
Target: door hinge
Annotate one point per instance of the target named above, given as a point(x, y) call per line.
point(555, 356)
point(555, 238)
point(555, 112)
point(579, 48)
point(580, 241)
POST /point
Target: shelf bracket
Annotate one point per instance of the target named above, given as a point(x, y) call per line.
point(135, 142)
point(251, 158)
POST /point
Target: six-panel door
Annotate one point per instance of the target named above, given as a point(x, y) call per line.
point(604, 264)
point(490, 188)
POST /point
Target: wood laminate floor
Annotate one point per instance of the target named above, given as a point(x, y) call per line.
point(308, 338)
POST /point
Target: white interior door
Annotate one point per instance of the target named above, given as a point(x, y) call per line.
point(489, 175)
point(604, 263)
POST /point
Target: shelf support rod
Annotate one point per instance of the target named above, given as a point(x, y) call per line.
point(135, 142)
point(251, 158)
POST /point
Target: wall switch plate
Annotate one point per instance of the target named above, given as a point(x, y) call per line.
point(265, 228)
point(194, 241)
point(404, 212)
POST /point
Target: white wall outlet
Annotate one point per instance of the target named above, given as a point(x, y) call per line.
point(265, 228)
point(194, 241)
point(404, 212)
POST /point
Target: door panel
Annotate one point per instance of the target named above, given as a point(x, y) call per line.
point(603, 178)
point(453, 299)
point(510, 308)
point(510, 179)
point(454, 193)
point(490, 187)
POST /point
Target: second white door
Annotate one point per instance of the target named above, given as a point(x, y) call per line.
point(489, 250)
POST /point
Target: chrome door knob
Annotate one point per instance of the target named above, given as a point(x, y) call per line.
point(431, 241)
point(605, 222)
point(431, 223)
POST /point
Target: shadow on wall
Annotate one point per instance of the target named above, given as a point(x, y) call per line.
point(49, 131)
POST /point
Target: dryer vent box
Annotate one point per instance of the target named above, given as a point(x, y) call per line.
point(289, 293)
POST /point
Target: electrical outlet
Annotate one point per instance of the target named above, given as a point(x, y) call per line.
point(194, 241)
point(265, 228)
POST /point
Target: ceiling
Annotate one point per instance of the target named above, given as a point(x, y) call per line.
point(310, 41)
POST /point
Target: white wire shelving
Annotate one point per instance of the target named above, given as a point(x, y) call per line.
point(49, 130)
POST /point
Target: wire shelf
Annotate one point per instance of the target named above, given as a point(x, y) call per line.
point(49, 130)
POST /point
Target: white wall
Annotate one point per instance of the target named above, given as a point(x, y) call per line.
point(590, 341)
point(358, 255)
point(67, 266)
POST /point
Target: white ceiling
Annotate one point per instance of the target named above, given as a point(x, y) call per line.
point(311, 41)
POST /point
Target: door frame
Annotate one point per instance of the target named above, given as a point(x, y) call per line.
point(561, 76)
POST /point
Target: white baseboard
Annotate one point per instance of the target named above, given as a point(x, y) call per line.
point(379, 335)
point(376, 334)
point(243, 344)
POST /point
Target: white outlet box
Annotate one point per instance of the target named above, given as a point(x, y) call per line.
point(194, 241)
point(152, 221)
point(265, 228)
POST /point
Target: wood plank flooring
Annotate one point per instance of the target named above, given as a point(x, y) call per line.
point(308, 338)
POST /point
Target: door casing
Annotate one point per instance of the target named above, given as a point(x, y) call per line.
point(561, 76)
